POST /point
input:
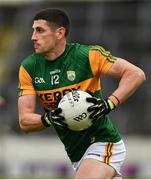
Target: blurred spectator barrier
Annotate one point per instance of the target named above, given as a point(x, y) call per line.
point(45, 157)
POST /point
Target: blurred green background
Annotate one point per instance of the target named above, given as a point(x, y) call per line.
point(122, 27)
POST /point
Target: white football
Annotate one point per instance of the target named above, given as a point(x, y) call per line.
point(74, 108)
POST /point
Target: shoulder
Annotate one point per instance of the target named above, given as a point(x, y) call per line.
point(79, 49)
point(85, 50)
point(29, 60)
point(29, 63)
point(99, 50)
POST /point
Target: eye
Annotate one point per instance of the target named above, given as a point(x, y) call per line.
point(39, 30)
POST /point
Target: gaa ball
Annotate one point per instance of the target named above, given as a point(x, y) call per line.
point(74, 108)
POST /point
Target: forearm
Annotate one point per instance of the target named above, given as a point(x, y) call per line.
point(128, 84)
point(31, 122)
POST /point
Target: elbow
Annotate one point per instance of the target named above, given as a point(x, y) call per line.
point(140, 76)
point(22, 125)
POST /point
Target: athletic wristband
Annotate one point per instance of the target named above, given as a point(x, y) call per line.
point(45, 120)
point(116, 99)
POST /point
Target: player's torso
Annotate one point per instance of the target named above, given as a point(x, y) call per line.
point(70, 71)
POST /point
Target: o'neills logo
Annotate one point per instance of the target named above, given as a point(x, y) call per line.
point(71, 75)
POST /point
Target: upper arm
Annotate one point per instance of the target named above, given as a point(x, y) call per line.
point(122, 66)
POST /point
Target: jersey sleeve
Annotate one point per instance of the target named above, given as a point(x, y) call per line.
point(100, 60)
point(25, 82)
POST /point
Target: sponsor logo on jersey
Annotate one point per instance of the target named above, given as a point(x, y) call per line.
point(39, 80)
point(71, 75)
point(48, 99)
point(56, 71)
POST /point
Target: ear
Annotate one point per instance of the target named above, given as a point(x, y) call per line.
point(60, 32)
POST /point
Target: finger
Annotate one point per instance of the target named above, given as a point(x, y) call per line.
point(91, 108)
point(57, 111)
point(58, 100)
point(91, 99)
point(58, 124)
point(61, 123)
point(92, 115)
point(95, 118)
point(61, 118)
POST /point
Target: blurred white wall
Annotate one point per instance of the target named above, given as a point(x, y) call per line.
point(45, 157)
point(33, 157)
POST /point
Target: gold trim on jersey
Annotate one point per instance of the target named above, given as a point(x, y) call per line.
point(99, 63)
point(105, 53)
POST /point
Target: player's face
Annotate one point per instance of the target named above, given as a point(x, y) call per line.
point(44, 37)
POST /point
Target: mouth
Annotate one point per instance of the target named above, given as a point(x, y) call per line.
point(36, 46)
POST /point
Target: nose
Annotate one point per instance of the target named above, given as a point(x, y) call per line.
point(33, 37)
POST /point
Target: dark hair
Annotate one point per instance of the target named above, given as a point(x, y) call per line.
point(55, 16)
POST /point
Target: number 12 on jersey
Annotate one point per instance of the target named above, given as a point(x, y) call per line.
point(54, 79)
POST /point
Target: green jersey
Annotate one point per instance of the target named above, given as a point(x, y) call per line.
point(79, 67)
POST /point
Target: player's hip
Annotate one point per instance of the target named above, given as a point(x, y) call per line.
point(110, 153)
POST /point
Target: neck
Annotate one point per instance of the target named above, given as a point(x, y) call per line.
point(56, 52)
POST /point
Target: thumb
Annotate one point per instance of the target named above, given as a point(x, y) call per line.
point(91, 99)
point(57, 110)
